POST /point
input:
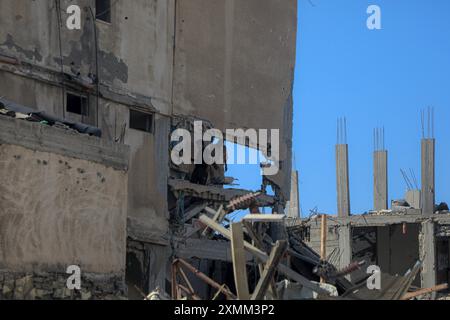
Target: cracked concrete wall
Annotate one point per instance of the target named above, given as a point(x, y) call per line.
point(239, 75)
point(140, 36)
point(29, 32)
point(134, 51)
point(148, 168)
point(135, 57)
point(57, 209)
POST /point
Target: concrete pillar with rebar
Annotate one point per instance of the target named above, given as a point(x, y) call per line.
point(342, 175)
point(428, 153)
point(428, 176)
point(380, 172)
point(342, 180)
point(380, 180)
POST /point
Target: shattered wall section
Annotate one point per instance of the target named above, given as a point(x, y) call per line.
point(139, 41)
point(234, 61)
point(234, 64)
point(147, 266)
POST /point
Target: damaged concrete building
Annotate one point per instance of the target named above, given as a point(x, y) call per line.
point(87, 178)
point(393, 238)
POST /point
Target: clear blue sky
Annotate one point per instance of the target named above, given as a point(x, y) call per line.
point(373, 78)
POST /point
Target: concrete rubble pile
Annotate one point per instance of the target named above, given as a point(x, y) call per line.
point(267, 269)
point(51, 286)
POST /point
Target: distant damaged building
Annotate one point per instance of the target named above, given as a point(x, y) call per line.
point(86, 117)
point(392, 238)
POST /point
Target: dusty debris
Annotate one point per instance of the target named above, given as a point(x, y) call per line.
point(179, 290)
point(14, 110)
point(288, 268)
point(293, 291)
point(425, 291)
point(157, 294)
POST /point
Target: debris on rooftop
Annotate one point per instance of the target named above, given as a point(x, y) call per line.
point(14, 110)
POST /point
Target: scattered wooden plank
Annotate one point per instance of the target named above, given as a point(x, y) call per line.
point(219, 292)
point(216, 218)
point(263, 257)
point(239, 263)
point(269, 269)
point(211, 212)
point(273, 289)
point(189, 293)
point(207, 249)
point(421, 292)
point(259, 243)
point(406, 281)
point(264, 217)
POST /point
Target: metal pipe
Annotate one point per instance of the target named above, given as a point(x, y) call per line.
point(206, 279)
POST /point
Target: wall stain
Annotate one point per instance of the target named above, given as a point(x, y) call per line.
point(82, 53)
point(29, 54)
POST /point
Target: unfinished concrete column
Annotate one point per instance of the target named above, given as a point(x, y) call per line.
point(342, 177)
point(428, 254)
point(380, 180)
point(428, 176)
point(293, 205)
point(342, 180)
point(380, 171)
point(345, 246)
